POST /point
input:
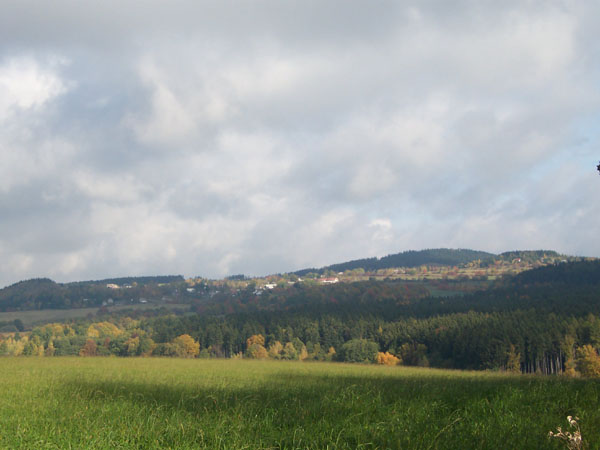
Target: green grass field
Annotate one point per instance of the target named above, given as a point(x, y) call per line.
point(240, 404)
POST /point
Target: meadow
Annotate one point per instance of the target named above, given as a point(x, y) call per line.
point(101, 403)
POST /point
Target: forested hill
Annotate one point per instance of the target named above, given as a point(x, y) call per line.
point(441, 266)
point(567, 289)
point(410, 258)
point(571, 289)
point(442, 257)
point(579, 274)
point(43, 293)
point(576, 292)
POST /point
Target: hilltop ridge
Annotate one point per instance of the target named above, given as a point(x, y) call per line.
point(440, 269)
point(440, 257)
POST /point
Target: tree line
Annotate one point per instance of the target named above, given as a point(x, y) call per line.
point(523, 340)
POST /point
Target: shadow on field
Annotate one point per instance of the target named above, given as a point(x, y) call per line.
point(392, 410)
point(298, 394)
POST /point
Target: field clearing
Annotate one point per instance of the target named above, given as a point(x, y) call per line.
point(41, 316)
point(235, 404)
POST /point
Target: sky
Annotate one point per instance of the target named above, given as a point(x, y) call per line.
point(210, 138)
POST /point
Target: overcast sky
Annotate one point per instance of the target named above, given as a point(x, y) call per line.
point(216, 138)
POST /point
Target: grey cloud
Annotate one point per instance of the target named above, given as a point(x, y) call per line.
point(114, 23)
point(205, 139)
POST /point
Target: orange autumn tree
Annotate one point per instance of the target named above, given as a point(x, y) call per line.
point(388, 359)
point(255, 339)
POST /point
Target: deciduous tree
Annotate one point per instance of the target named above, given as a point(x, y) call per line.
point(588, 361)
point(89, 348)
point(186, 346)
point(387, 359)
point(275, 350)
point(513, 360)
point(255, 347)
point(289, 351)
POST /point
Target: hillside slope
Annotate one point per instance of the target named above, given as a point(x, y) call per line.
point(410, 258)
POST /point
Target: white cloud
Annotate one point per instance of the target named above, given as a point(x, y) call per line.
point(28, 88)
point(26, 85)
point(109, 188)
point(382, 229)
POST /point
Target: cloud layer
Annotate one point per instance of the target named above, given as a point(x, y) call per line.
point(205, 138)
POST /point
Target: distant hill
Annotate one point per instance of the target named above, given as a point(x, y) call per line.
point(43, 293)
point(27, 294)
point(442, 257)
point(160, 279)
point(570, 289)
point(531, 256)
point(583, 273)
point(410, 258)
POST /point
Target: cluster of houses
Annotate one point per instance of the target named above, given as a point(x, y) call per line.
point(269, 286)
point(111, 302)
point(257, 291)
point(329, 280)
point(116, 286)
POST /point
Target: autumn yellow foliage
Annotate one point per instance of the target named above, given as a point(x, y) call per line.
point(275, 350)
point(103, 329)
point(255, 347)
point(588, 361)
point(56, 329)
point(255, 339)
point(387, 359)
point(257, 351)
point(186, 346)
